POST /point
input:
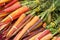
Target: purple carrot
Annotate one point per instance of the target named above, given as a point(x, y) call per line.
point(34, 33)
point(30, 29)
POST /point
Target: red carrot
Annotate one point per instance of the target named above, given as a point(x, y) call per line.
point(11, 3)
point(43, 34)
point(2, 4)
point(13, 7)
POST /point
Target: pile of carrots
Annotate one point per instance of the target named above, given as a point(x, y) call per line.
point(29, 19)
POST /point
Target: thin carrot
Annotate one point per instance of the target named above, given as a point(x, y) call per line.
point(43, 34)
point(22, 25)
point(34, 37)
point(4, 1)
point(47, 37)
point(10, 3)
point(20, 34)
point(12, 30)
point(2, 4)
point(13, 7)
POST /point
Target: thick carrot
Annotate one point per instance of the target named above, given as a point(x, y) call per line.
point(13, 7)
point(43, 34)
point(13, 29)
point(11, 3)
point(4, 1)
point(20, 34)
point(47, 37)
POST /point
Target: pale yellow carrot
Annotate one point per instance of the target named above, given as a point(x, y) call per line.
point(32, 22)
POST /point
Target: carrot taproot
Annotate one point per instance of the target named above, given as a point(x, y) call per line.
point(43, 34)
point(31, 34)
point(44, 24)
point(10, 3)
point(54, 38)
point(47, 37)
point(34, 37)
point(58, 38)
point(20, 34)
point(15, 14)
point(22, 25)
point(4, 1)
point(13, 7)
point(12, 30)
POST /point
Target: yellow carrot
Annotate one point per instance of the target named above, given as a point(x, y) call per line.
point(32, 22)
point(54, 38)
point(4, 1)
point(34, 37)
point(14, 26)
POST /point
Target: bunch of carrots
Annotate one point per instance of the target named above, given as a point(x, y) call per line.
point(29, 20)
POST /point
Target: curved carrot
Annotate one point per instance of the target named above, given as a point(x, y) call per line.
point(12, 30)
point(4, 1)
point(13, 7)
point(11, 3)
point(43, 34)
point(20, 34)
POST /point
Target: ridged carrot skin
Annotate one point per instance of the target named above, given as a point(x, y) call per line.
point(11, 3)
point(32, 22)
point(43, 34)
point(13, 29)
point(13, 7)
point(4, 1)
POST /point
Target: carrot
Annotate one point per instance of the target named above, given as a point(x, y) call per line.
point(54, 38)
point(4, 1)
point(15, 14)
point(58, 38)
point(44, 25)
point(43, 34)
point(10, 3)
point(2, 4)
point(20, 34)
point(47, 37)
point(12, 30)
point(34, 37)
point(13, 7)
point(31, 34)
point(22, 25)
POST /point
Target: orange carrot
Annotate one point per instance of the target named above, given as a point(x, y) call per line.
point(44, 25)
point(20, 34)
point(4, 1)
point(12, 30)
point(58, 38)
point(13, 7)
point(10, 3)
point(14, 15)
point(54, 38)
point(22, 25)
